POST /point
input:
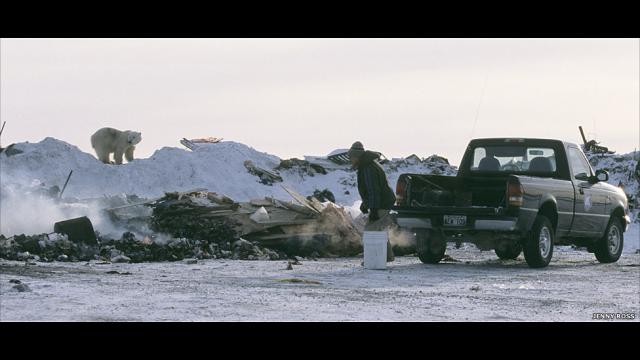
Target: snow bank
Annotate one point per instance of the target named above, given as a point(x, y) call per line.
point(217, 167)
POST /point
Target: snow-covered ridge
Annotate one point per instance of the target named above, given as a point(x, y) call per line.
point(217, 167)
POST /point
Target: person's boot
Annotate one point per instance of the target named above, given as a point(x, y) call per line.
point(390, 256)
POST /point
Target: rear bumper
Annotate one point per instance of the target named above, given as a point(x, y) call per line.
point(501, 225)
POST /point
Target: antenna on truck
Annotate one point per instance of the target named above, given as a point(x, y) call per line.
point(475, 121)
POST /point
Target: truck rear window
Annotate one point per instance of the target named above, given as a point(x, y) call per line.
point(513, 159)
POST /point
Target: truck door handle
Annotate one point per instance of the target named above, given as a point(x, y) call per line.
point(581, 191)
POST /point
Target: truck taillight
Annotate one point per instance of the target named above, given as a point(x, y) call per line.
point(515, 193)
point(401, 190)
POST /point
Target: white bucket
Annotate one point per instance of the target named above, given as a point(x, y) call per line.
point(375, 249)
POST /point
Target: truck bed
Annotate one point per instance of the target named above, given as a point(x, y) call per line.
point(427, 191)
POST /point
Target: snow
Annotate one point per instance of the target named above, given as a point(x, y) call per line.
point(475, 287)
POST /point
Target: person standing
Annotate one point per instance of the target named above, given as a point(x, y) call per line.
point(377, 196)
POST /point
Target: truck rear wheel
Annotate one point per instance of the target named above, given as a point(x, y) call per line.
point(538, 247)
point(609, 248)
point(430, 246)
point(508, 250)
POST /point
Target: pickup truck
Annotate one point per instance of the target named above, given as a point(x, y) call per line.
point(513, 196)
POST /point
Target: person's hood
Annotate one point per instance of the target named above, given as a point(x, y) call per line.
point(368, 157)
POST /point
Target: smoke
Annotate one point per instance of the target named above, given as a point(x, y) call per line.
point(397, 236)
point(354, 210)
point(401, 238)
point(32, 211)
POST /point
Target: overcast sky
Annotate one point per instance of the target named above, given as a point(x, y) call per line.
point(295, 97)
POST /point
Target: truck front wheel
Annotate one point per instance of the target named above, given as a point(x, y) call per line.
point(430, 246)
point(609, 248)
point(538, 247)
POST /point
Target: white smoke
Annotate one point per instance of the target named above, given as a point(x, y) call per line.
point(31, 211)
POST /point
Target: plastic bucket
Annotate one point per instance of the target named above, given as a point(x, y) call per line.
point(375, 249)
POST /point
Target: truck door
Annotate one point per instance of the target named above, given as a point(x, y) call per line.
point(590, 202)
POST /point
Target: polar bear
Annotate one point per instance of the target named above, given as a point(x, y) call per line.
point(108, 140)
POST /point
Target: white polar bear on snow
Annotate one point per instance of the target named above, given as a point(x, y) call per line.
point(108, 140)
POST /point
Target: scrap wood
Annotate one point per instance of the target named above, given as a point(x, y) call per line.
point(195, 143)
point(316, 203)
point(253, 169)
point(288, 236)
point(262, 202)
point(179, 194)
point(197, 191)
point(291, 206)
point(220, 199)
point(274, 223)
point(208, 140)
point(131, 205)
point(302, 200)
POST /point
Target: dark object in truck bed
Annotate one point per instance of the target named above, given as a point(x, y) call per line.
point(437, 197)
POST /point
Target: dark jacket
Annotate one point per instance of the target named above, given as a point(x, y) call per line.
point(372, 183)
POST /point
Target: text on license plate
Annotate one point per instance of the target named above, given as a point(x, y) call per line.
point(455, 220)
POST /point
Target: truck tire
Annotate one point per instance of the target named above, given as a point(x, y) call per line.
point(609, 248)
point(430, 246)
point(538, 247)
point(508, 250)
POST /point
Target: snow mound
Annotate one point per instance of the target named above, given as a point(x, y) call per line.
point(621, 168)
point(216, 167)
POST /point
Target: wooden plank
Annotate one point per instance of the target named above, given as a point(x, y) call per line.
point(261, 202)
point(130, 205)
point(220, 199)
point(217, 213)
point(297, 208)
point(317, 204)
point(249, 165)
point(285, 223)
point(288, 236)
point(188, 144)
point(301, 199)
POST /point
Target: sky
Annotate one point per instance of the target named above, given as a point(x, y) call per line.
point(296, 97)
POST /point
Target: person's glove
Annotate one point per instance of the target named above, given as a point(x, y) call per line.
point(363, 208)
point(373, 216)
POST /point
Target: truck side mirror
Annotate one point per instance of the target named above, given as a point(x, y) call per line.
point(582, 176)
point(602, 175)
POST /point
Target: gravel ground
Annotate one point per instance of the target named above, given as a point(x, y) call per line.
point(473, 286)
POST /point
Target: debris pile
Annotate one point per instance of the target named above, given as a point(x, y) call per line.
point(307, 228)
point(434, 164)
point(302, 167)
point(45, 247)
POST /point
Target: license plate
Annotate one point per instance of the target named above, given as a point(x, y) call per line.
point(455, 220)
